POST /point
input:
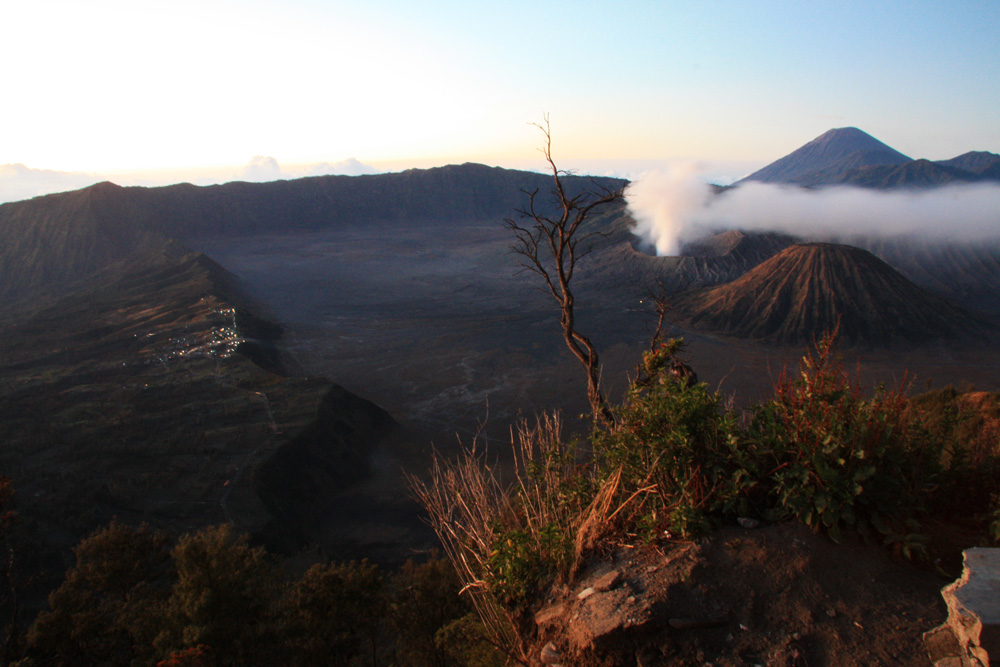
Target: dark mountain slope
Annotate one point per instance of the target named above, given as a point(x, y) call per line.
point(717, 259)
point(854, 162)
point(135, 399)
point(915, 174)
point(847, 145)
point(965, 273)
point(848, 156)
point(49, 244)
point(806, 290)
point(977, 162)
point(455, 193)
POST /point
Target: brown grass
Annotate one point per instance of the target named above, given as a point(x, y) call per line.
point(471, 508)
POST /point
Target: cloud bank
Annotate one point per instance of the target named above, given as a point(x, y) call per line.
point(19, 182)
point(676, 206)
point(266, 168)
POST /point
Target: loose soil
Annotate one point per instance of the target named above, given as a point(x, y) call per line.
point(774, 595)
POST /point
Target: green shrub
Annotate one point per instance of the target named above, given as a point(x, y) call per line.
point(426, 599)
point(675, 439)
point(225, 598)
point(334, 613)
point(968, 423)
point(523, 561)
point(842, 459)
point(109, 608)
point(465, 641)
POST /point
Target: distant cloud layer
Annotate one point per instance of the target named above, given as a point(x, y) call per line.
point(676, 206)
point(18, 181)
point(265, 168)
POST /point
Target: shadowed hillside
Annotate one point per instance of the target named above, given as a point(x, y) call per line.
point(139, 398)
point(983, 163)
point(914, 174)
point(808, 289)
point(49, 244)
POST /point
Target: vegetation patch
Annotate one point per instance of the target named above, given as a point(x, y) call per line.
point(675, 461)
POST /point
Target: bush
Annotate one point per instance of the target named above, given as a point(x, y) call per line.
point(425, 600)
point(464, 641)
point(109, 607)
point(334, 613)
point(673, 439)
point(508, 541)
point(842, 459)
point(225, 598)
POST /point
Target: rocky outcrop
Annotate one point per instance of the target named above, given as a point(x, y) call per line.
point(775, 595)
point(971, 634)
point(328, 456)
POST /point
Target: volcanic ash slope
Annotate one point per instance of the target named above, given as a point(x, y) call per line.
point(804, 291)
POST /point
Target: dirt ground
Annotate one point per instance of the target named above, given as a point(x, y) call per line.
point(774, 595)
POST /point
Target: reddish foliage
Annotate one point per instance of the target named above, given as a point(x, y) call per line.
point(6, 494)
point(195, 656)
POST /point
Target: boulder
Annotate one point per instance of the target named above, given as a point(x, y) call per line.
point(971, 635)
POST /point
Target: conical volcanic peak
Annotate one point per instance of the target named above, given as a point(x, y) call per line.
point(839, 149)
point(806, 290)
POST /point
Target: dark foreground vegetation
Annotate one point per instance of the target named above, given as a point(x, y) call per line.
point(676, 462)
point(136, 597)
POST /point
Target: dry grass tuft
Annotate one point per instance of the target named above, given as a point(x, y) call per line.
point(552, 499)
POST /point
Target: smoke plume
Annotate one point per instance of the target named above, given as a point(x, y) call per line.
point(675, 207)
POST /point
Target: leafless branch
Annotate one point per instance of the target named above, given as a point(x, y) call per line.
point(550, 245)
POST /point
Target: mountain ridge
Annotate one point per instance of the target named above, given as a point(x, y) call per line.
point(849, 156)
point(49, 244)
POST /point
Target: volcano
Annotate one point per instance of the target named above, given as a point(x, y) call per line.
point(827, 157)
point(810, 289)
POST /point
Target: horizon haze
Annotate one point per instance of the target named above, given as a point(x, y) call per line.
point(103, 90)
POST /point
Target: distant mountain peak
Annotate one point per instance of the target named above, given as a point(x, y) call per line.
point(834, 149)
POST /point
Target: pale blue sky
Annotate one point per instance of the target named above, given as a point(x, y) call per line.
point(111, 86)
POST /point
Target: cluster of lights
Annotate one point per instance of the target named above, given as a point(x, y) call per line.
point(219, 342)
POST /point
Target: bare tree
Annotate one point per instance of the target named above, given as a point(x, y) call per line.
point(551, 244)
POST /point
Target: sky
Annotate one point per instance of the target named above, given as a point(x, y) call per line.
point(152, 92)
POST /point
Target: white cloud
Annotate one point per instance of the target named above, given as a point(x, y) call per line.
point(349, 167)
point(20, 182)
point(672, 208)
point(265, 168)
point(261, 168)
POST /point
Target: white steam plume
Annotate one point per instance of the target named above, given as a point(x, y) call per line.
point(672, 208)
point(664, 203)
